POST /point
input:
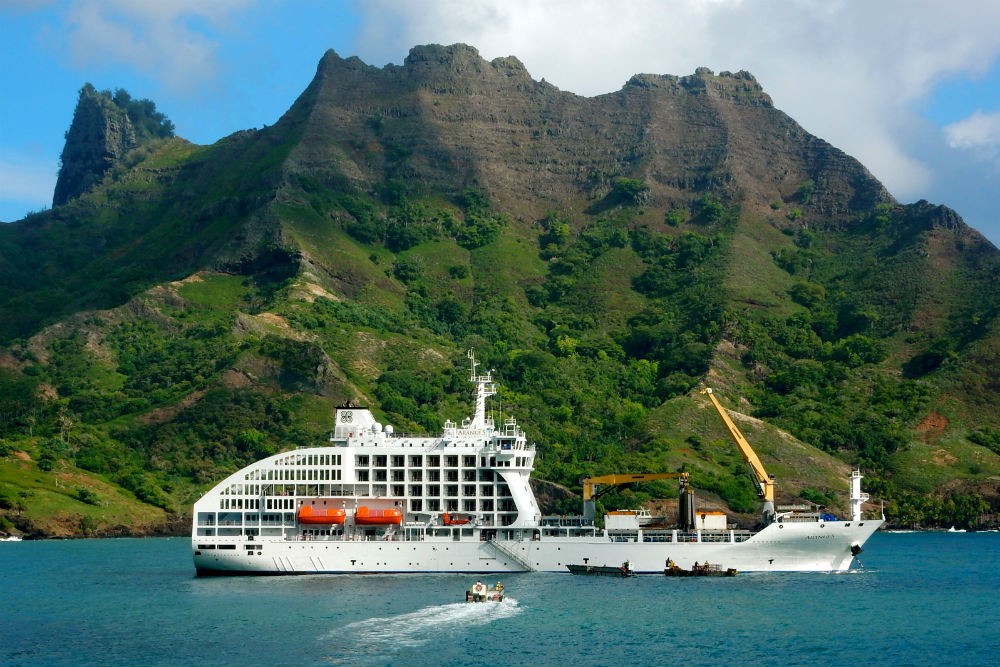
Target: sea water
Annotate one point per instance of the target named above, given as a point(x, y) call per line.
point(919, 599)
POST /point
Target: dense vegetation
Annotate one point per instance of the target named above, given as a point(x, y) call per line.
point(147, 397)
point(197, 308)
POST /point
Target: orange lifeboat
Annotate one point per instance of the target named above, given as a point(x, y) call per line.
point(319, 515)
point(454, 519)
point(364, 516)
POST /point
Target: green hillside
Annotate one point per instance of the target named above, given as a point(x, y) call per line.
point(204, 306)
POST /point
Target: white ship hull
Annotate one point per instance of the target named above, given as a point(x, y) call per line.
point(780, 547)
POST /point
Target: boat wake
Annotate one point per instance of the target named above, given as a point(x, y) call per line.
point(379, 636)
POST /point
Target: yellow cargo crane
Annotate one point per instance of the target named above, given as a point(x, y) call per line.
point(765, 482)
point(590, 484)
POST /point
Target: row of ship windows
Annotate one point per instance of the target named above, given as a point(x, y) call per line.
point(415, 460)
point(288, 474)
point(285, 475)
point(397, 490)
point(305, 459)
point(418, 461)
point(450, 490)
point(397, 462)
point(328, 475)
point(418, 475)
point(414, 504)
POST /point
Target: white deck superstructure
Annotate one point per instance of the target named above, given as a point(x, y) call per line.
point(376, 501)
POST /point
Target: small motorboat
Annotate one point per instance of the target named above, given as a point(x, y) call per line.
point(623, 570)
point(480, 592)
point(698, 570)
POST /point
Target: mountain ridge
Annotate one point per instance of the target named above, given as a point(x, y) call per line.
point(200, 306)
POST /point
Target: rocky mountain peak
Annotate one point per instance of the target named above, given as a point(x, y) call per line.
point(105, 127)
point(101, 133)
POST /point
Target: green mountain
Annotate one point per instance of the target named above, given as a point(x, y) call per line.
point(183, 310)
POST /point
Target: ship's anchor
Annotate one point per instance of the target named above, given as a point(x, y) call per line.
point(855, 550)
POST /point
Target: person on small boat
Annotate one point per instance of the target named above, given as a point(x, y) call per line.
point(478, 592)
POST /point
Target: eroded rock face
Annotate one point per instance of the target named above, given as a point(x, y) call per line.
point(449, 119)
point(100, 135)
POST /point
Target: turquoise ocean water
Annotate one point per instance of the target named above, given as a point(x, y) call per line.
point(921, 599)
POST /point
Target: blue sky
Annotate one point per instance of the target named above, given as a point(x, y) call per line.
point(911, 88)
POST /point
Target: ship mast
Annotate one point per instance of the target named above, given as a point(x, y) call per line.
point(484, 389)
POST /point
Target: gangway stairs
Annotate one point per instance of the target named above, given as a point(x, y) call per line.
point(513, 555)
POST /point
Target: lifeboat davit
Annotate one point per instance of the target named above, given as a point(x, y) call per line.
point(365, 516)
point(319, 515)
point(454, 519)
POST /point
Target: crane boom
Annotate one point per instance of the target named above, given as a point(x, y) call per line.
point(590, 483)
point(765, 482)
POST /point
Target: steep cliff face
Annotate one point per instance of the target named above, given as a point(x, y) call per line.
point(448, 119)
point(100, 135)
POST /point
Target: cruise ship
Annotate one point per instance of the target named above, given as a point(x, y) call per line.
point(375, 501)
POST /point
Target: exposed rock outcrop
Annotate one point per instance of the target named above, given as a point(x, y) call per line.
point(449, 119)
point(100, 135)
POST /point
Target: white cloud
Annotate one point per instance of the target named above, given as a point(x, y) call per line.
point(853, 73)
point(979, 132)
point(167, 39)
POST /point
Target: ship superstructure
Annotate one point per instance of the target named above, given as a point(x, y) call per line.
point(372, 500)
